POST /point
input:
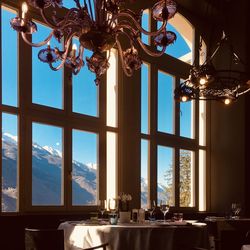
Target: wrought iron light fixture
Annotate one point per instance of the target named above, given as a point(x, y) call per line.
point(205, 82)
point(100, 25)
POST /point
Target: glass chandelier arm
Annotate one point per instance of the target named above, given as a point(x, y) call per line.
point(129, 74)
point(58, 67)
point(244, 92)
point(81, 52)
point(64, 55)
point(68, 41)
point(60, 24)
point(149, 52)
point(121, 28)
point(100, 13)
point(37, 44)
point(138, 26)
point(50, 24)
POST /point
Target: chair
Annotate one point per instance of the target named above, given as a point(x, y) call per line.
point(247, 238)
point(48, 239)
point(44, 239)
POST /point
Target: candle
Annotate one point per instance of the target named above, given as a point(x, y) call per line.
point(24, 9)
point(74, 48)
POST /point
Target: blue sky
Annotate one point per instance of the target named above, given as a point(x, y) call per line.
point(47, 89)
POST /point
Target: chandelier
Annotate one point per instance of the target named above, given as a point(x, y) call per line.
point(100, 25)
point(205, 82)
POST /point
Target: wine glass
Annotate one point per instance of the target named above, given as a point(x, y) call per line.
point(102, 206)
point(164, 206)
point(236, 209)
point(151, 209)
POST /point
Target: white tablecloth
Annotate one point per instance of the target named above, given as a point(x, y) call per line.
point(79, 235)
point(245, 247)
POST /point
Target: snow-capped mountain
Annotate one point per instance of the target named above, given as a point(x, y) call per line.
point(9, 138)
point(53, 151)
point(46, 176)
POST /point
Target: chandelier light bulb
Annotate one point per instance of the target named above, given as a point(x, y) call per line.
point(184, 98)
point(203, 81)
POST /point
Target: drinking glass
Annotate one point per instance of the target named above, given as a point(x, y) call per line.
point(113, 205)
point(113, 208)
point(102, 206)
point(151, 209)
point(236, 209)
point(164, 206)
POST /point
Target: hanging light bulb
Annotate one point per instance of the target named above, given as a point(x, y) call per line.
point(227, 101)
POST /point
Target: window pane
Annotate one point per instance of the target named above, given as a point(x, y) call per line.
point(186, 178)
point(144, 173)
point(165, 103)
point(112, 89)
point(9, 163)
point(111, 165)
point(165, 174)
point(144, 98)
point(202, 104)
point(202, 180)
point(71, 4)
point(47, 87)
point(47, 170)
point(179, 49)
point(186, 119)
point(202, 123)
point(84, 168)
point(182, 48)
point(9, 60)
point(85, 91)
point(145, 26)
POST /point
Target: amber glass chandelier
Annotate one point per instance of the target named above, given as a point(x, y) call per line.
point(100, 25)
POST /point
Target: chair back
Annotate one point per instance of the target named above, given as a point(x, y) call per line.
point(44, 239)
point(247, 238)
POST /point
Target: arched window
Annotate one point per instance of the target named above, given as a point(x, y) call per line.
point(172, 133)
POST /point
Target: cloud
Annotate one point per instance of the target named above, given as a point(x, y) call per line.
point(58, 143)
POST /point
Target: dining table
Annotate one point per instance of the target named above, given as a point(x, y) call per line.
point(158, 235)
point(228, 233)
point(245, 247)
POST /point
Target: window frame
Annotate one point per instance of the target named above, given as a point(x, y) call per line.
point(29, 112)
point(179, 70)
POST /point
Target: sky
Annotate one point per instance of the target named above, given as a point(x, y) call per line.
point(47, 89)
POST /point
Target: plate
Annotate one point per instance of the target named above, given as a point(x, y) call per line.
point(172, 223)
point(200, 224)
point(191, 221)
